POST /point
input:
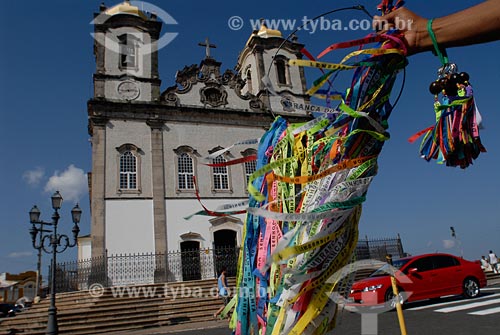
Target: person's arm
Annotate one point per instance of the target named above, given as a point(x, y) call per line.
point(477, 24)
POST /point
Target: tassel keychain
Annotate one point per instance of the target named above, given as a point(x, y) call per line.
point(454, 139)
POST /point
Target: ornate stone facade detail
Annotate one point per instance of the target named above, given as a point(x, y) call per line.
point(214, 92)
point(191, 236)
point(170, 98)
point(256, 104)
point(186, 78)
point(210, 70)
point(287, 103)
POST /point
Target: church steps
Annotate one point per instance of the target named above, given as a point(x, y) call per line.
point(87, 324)
point(82, 297)
point(112, 307)
point(84, 314)
point(79, 313)
point(90, 326)
point(109, 301)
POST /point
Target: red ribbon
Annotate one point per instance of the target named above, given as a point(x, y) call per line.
point(414, 137)
point(209, 212)
point(233, 162)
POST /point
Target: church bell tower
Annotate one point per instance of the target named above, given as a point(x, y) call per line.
point(264, 66)
point(126, 76)
point(126, 56)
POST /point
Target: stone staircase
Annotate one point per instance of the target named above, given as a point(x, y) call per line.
point(492, 278)
point(119, 309)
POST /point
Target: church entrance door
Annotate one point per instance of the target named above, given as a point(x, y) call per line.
point(225, 251)
point(190, 258)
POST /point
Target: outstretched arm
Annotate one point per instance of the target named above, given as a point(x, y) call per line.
point(477, 24)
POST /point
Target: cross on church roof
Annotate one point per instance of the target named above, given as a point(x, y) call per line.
point(207, 46)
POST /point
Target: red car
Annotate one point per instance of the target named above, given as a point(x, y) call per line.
point(421, 277)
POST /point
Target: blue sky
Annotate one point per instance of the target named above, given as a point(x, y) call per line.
point(46, 80)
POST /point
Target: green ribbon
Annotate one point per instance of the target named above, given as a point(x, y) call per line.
point(443, 57)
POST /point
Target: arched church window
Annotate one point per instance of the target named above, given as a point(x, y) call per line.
point(129, 166)
point(280, 68)
point(220, 175)
point(128, 51)
point(249, 166)
point(281, 71)
point(186, 168)
point(185, 172)
point(128, 171)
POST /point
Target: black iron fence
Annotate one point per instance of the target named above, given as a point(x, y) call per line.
point(147, 268)
point(116, 270)
point(379, 248)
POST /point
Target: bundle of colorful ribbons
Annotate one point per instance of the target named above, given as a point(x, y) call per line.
point(454, 138)
point(306, 194)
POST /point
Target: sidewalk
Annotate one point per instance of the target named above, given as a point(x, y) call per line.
point(178, 328)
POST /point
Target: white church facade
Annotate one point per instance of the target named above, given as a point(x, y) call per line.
point(149, 145)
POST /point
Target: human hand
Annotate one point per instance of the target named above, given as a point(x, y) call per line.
point(412, 26)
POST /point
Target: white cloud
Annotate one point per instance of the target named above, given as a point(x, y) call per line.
point(72, 183)
point(33, 177)
point(448, 244)
point(19, 254)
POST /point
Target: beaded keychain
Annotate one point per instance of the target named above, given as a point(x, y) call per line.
point(454, 139)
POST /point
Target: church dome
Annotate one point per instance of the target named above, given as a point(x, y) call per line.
point(265, 32)
point(126, 8)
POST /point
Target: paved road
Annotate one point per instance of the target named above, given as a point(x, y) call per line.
point(450, 315)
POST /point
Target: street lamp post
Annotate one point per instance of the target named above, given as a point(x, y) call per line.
point(54, 240)
point(39, 261)
point(454, 235)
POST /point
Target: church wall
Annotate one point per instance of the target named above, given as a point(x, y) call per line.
point(203, 138)
point(129, 226)
point(120, 132)
point(178, 209)
point(84, 248)
point(198, 228)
